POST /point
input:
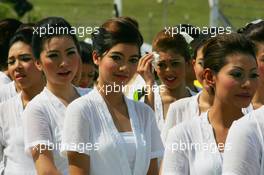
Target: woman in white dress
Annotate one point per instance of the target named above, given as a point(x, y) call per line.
point(21, 63)
point(246, 135)
point(105, 132)
point(187, 108)
point(196, 146)
point(170, 62)
point(57, 55)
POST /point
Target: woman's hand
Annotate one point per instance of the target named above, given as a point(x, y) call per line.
point(145, 68)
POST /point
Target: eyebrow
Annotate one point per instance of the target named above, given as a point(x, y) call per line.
point(119, 53)
point(70, 48)
point(255, 68)
point(25, 54)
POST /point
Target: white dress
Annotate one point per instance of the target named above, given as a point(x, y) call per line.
point(179, 111)
point(43, 120)
point(4, 79)
point(185, 109)
point(7, 91)
point(191, 149)
point(246, 139)
point(14, 161)
point(159, 107)
point(89, 122)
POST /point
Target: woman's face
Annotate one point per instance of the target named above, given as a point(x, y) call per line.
point(171, 69)
point(87, 75)
point(118, 65)
point(21, 65)
point(198, 65)
point(59, 60)
point(260, 60)
point(237, 81)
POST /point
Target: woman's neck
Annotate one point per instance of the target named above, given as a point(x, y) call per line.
point(258, 99)
point(205, 101)
point(29, 93)
point(177, 93)
point(65, 92)
point(222, 115)
point(115, 98)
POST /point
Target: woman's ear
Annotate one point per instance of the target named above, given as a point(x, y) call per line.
point(209, 77)
point(38, 64)
point(96, 58)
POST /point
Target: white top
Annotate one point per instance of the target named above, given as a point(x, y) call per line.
point(246, 139)
point(88, 121)
point(179, 111)
point(43, 120)
point(7, 91)
point(129, 143)
point(159, 107)
point(12, 154)
point(185, 109)
point(4, 79)
point(191, 149)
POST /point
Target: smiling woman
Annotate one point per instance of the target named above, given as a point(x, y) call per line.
point(126, 131)
point(57, 56)
point(230, 70)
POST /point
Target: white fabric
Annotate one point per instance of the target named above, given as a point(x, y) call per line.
point(129, 143)
point(4, 79)
point(179, 111)
point(88, 121)
point(7, 91)
point(186, 109)
point(43, 122)
point(15, 161)
point(191, 149)
point(158, 106)
point(246, 139)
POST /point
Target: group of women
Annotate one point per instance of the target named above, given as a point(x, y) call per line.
point(49, 125)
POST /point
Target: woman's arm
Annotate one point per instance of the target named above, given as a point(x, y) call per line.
point(44, 162)
point(79, 164)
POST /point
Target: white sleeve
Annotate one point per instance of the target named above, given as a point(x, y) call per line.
point(2, 166)
point(76, 130)
point(157, 148)
point(242, 155)
point(37, 129)
point(170, 121)
point(175, 161)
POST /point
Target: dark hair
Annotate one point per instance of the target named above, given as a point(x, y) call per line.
point(254, 30)
point(53, 26)
point(114, 31)
point(7, 29)
point(164, 42)
point(218, 48)
point(24, 34)
point(86, 52)
point(198, 43)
